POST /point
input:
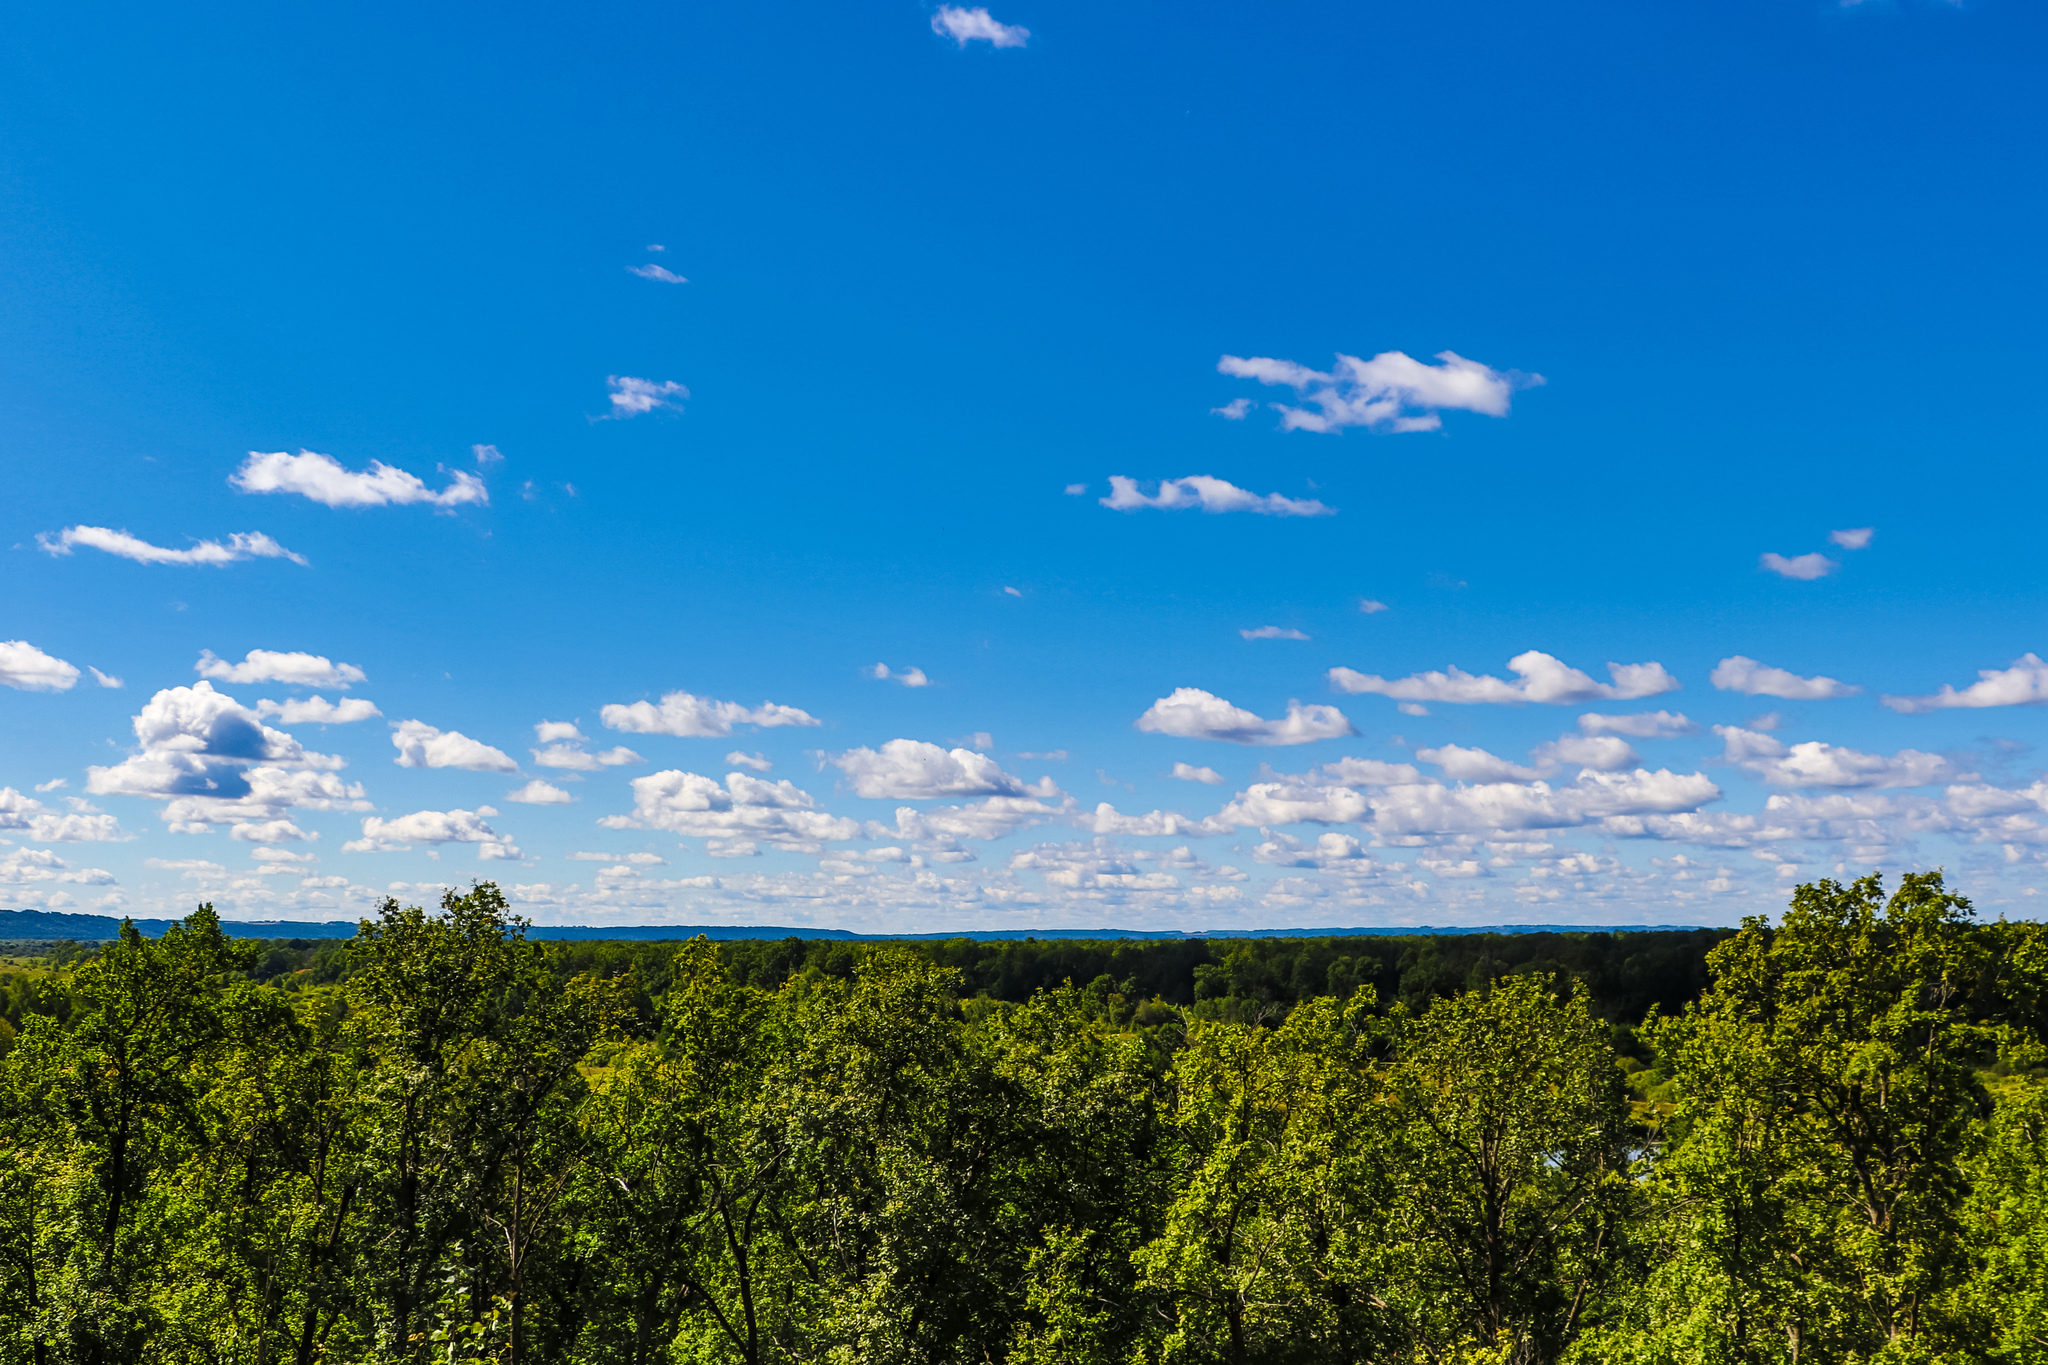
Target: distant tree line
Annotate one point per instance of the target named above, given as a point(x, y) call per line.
point(1824, 1140)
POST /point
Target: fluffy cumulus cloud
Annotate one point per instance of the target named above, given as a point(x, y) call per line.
point(1805, 567)
point(26, 816)
point(1391, 392)
point(325, 480)
point(317, 710)
point(1475, 765)
point(420, 745)
point(693, 717)
point(1745, 675)
point(913, 770)
point(1815, 764)
point(634, 397)
point(212, 759)
point(562, 747)
point(976, 25)
point(1642, 725)
point(1187, 772)
point(268, 665)
point(28, 669)
point(1602, 753)
point(742, 808)
point(2024, 684)
point(1541, 678)
point(1191, 713)
point(539, 793)
point(25, 868)
point(1432, 810)
point(238, 547)
point(1209, 494)
point(435, 827)
point(740, 758)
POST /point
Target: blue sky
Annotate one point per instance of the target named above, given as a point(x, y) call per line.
point(1632, 297)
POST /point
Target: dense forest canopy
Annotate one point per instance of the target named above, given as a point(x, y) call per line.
point(1824, 1139)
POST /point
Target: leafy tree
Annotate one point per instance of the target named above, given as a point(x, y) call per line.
point(1829, 1104)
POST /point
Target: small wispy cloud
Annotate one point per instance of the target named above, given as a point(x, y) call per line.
point(966, 26)
point(1188, 772)
point(1738, 673)
point(913, 677)
point(1234, 410)
point(327, 481)
point(1075, 490)
point(650, 271)
point(1855, 538)
point(1369, 606)
point(631, 397)
point(486, 456)
point(1273, 633)
point(1209, 494)
point(1805, 568)
point(1392, 392)
point(238, 547)
point(104, 679)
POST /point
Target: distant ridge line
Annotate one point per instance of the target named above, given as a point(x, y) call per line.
point(50, 925)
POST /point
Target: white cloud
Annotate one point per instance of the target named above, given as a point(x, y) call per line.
point(28, 669)
point(912, 678)
point(552, 731)
point(1235, 410)
point(1806, 568)
point(1429, 809)
point(26, 866)
point(965, 26)
point(1294, 800)
point(913, 770)
point(1644, 725)
point(104, 679)
point(573, 757)
point(325, 480)
point(1602, 753)
point(1854, 539)
point(1191, 713)
point(1391, 392)
point(1209, 494)
point(486, 456)
point(2024, 684)
point(318, 710)
point(1273, 633)
point(278, 831)
point(777, 813)
point(211, 758)
point(27, 816)
point(1075, 490)
point(1153, 824)
point(631, 397)
point(240, 546)
point(1543, 679)
point(1411, 708)
point(269, 665)
point(1739, 674)
point(692, 717)
point(1369, 606)
point(655, 272)
point(1331, 852)
point(434, 827)
point(1814, 764)
point(1012, 592)
point(420, 745)
point(1188, 773)
point(539, 793)
point(1476, 765)
point(740, 759)
point(52, 785)
point(1369, 772)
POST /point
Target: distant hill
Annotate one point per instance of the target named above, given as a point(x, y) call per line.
point(49, 926)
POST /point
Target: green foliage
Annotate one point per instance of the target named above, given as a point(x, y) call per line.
point(440, 1142)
